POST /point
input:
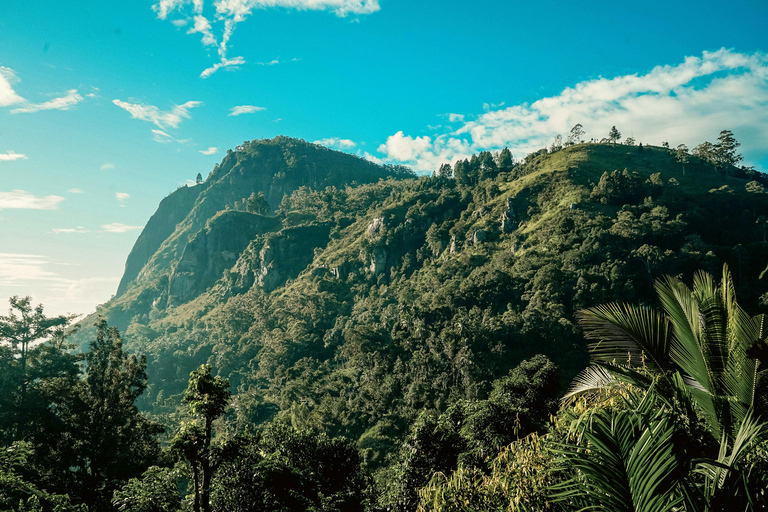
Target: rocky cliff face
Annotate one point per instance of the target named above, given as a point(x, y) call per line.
point(272, 259)
point(177, 248)
point(213, 250)
point(172, 210)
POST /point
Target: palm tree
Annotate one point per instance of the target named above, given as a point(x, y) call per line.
point(697, 346)
point(690, 358)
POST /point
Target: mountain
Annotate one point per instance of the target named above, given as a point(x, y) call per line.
point(367, 294)
point(197, 221)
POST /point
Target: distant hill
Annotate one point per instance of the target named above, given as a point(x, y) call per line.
point(370, 294)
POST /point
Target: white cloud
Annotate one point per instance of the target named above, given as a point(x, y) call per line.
point(107, 166)
point(78, 229)
point(225, 63)
point(163, 138)
point(33, 274)
point(117, 227)
point(228, 13)
point(122, 196)
point(7, 95)
point(16, 268)
point(245, 109)
point(685, 103)
point(372, 158)
point(203, 26)
point(11, 156)
point(335, 142)
point(20, 199)
point(275, 62)
point(456, 117)
point(210, 151)
point(161, 119)
point(62, 103)
point(75, 191)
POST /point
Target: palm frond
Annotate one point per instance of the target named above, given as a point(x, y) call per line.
point(682, 309)
point(627, 335)
point(630, 462)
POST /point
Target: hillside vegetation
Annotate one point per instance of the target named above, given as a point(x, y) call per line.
point(370, 303)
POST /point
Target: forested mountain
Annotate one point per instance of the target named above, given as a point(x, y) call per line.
point(362, 301)
point(367, 300)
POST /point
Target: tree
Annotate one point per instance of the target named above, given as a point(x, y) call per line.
point(21, 328)
point(665, 145)
point(725, 150)
point(575, 135)
point(282, 468)
point(461, 171)
point(487, 166)
point(706, 151)
point(629, 141)
point(198, 179)
point(505, 162)
point(614, 136)
point(557, 144)
point(155, 491)
point(445, 171)
point(207, 396)
point(681, 155)
point(114, 440)
point(667, 374)
point(257, 203)
point(704, 362)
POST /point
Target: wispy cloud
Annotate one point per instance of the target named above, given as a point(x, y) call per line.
point(61, 103)
point(210, 151)
point(34, 274)
point(685, 103)
point(11, 156)
point(20, 199)
point(7, 95)
point(162, 119)
point(78, 229)
point(163, 138)
point(18, 268)
point(275, 62)
point(245, 109)
point(224, 63)
point(75, 191)
point(117, 227)
point(121, 197)
point(336, 143)
point(107, 166)
point(228, 13)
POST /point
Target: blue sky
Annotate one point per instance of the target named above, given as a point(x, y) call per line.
point(106, 107)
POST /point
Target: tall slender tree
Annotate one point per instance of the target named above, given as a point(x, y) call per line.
point(207, 397)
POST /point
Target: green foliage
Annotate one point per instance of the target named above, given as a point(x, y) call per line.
point(519, 480)
point(619, 188)
point(709, 355)
point(113, 440)
point(470, 433)
point(155, 491)
point(257, 203)
point(206, 395)
point(623, 460)
point(18, 493)
point(284, 469)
